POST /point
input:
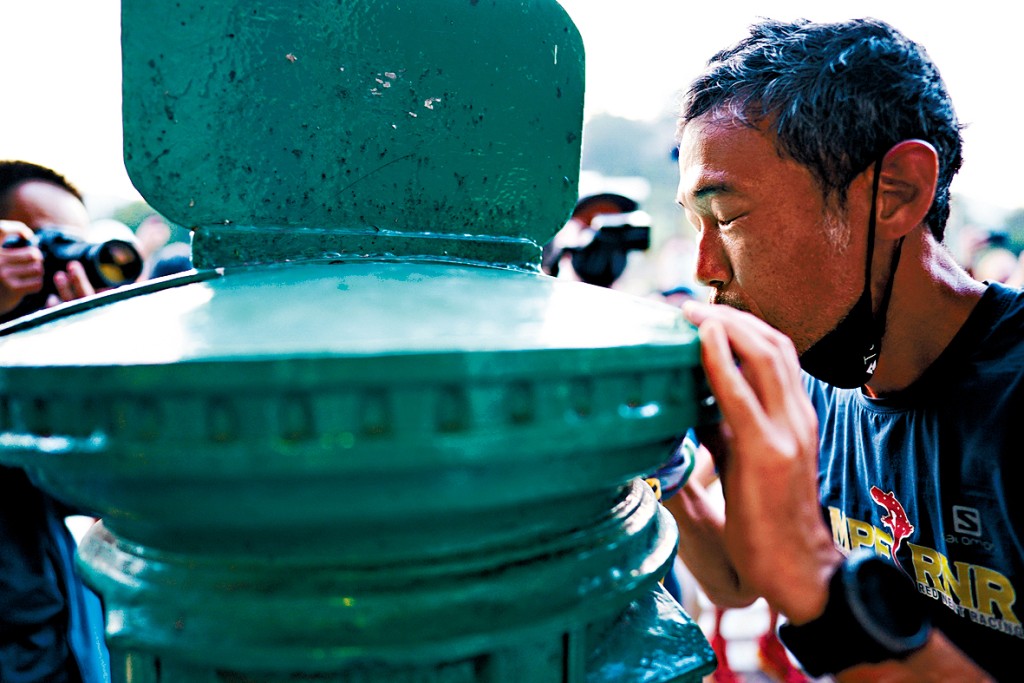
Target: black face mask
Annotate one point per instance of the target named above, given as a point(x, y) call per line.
point(846, 356)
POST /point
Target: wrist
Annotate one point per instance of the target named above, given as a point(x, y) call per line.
point(873, 606)
point(810, 600)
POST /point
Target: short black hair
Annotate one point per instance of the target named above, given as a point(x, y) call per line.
point(837, 96)
point(14, 173)
point(622, 203)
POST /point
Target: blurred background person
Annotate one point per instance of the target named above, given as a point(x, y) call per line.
point(51, 253)
point(51, 625)
point(33, 197)
point(594, 245)
point(153, 234)
point(997, 264)
point(990, 256)
point(176, 257)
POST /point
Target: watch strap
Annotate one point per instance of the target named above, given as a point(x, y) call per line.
point(851, 631)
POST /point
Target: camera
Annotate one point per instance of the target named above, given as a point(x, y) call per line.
point(602, 261)
point(107, 264)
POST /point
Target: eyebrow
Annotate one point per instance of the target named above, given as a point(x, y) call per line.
point(711, 189)
point(708, 190)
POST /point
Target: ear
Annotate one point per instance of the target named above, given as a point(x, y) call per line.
point(910, 172)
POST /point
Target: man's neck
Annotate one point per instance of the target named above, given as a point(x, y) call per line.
point(931, 300)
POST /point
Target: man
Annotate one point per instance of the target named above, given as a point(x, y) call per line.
point(33, 197)
point(815, 163)
point(579, 252)
point(51, 627)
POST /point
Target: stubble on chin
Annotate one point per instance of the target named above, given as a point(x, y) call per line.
point(797, 336)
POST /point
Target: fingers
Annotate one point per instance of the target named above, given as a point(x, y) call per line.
point(736, 398)
point(21, 270)
point(767, 359)
point(749, 335)
point(72, 284)
point(770, 476)
point(734, 319)
point(754, 372)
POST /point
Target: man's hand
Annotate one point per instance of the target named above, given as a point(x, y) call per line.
point(22, 272)
point(773, 531)
point(70, 285)
point(21, 268)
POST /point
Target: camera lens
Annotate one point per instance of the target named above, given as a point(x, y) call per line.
point(117, 262)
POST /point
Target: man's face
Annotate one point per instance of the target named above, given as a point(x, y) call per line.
point(766, 242)
point(37, 204)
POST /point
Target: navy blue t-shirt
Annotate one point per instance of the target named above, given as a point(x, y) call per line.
point(928, 478)
point(51, 626)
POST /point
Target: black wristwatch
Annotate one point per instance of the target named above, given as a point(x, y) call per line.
point(873, 614)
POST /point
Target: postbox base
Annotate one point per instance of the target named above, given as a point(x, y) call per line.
point(653, 641)
point(584, 607)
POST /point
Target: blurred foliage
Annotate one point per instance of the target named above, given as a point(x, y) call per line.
point(1013, 224)
point(133, 213)
point(618, 147)
point(615, 146)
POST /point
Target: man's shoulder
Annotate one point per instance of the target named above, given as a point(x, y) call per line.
point(1007, 303)
point(999, 322)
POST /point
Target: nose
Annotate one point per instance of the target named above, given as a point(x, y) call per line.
point(713, 268)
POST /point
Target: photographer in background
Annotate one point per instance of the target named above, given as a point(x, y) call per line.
point(594, 244)
point(51, 626)
point(31, 197)
point(989, 258)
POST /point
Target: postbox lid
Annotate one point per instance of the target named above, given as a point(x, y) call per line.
point(528, 386)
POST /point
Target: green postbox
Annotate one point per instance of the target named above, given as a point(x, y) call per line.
point(366, 440)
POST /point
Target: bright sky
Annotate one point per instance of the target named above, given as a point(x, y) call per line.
point(60, 81)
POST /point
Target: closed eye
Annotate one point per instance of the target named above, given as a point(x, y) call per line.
point(727, 222)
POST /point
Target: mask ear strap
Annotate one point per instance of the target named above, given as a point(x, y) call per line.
point(883, 308)
point(871, 224)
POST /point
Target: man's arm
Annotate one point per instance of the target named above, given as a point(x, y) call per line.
point(772, 532)
point(699, 512)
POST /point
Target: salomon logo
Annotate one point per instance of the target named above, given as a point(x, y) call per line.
point(966, 521)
